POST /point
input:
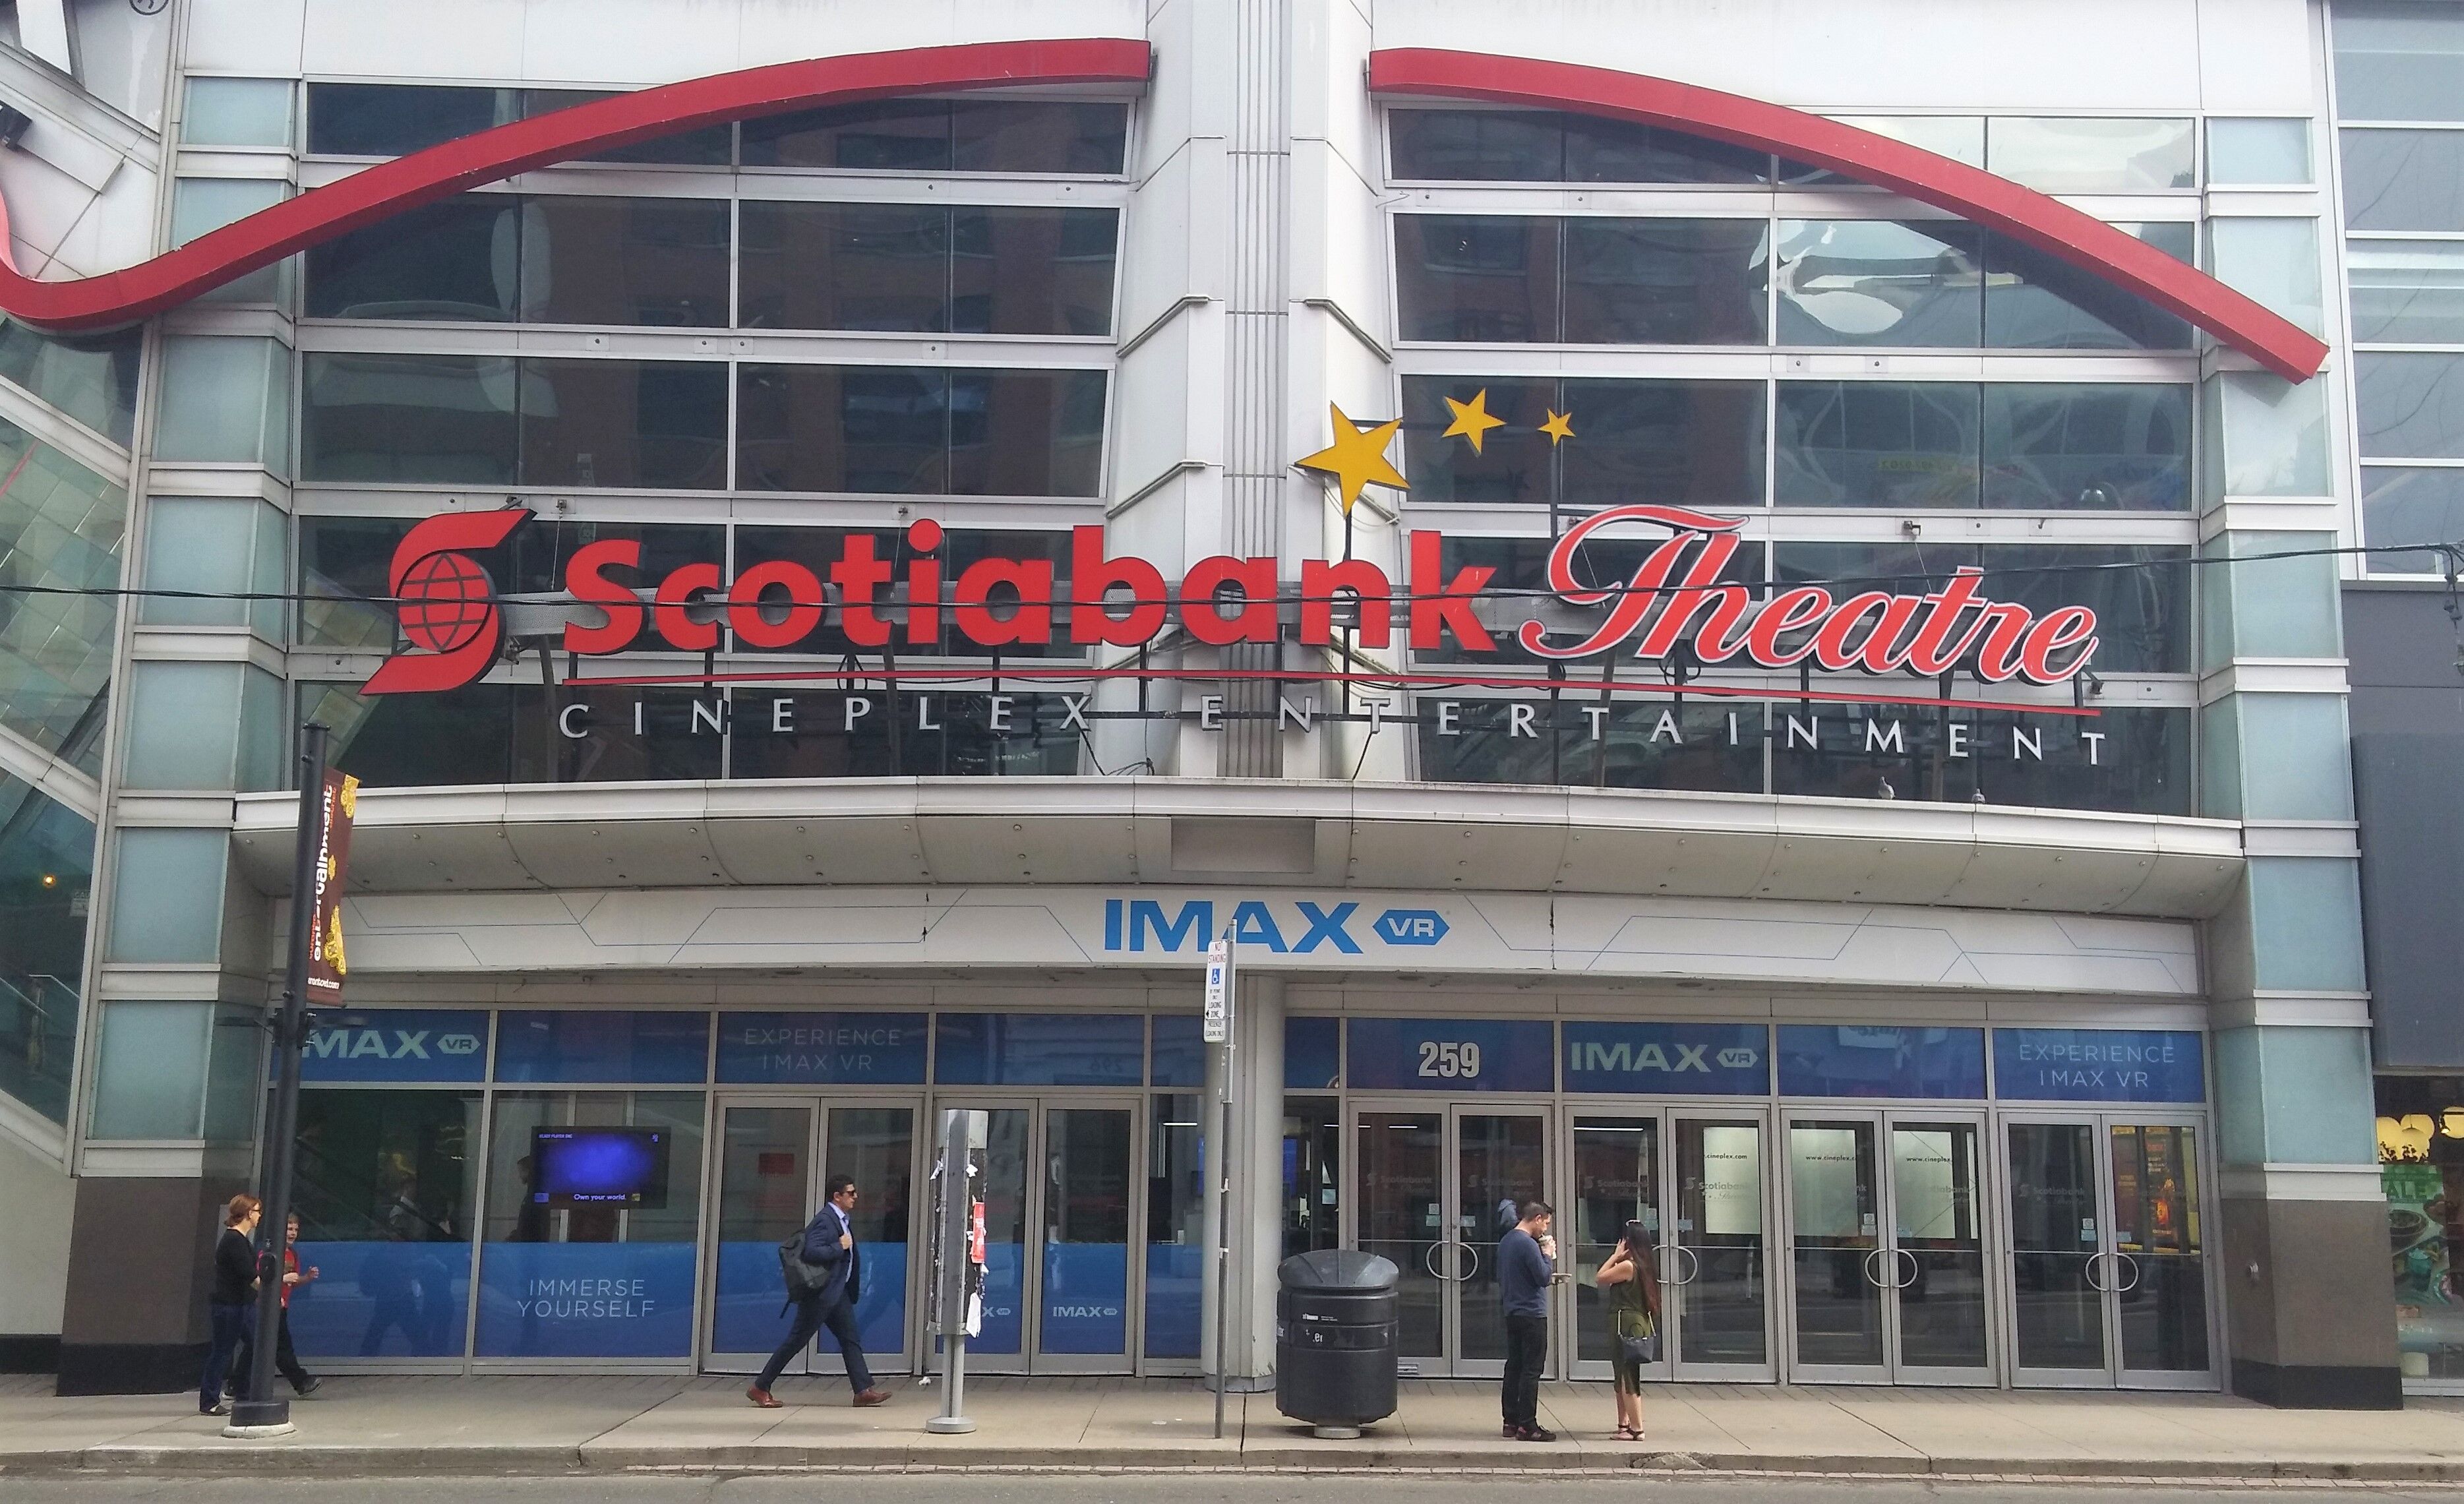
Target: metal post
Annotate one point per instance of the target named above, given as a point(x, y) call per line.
point(955, 1234)
point(1221, 1004)
point(260, 1413)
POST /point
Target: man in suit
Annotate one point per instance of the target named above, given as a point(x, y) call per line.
point(830, 1244)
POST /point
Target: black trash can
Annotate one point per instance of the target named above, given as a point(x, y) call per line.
point(1334, 1339)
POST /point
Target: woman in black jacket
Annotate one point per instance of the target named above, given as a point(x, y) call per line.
point(233, 1301)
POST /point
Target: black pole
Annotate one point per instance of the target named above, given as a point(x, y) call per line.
point(260, 1407)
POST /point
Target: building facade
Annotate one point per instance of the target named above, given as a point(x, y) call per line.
point(845, 547)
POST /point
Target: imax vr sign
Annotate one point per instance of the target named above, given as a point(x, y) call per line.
point(1280, 927)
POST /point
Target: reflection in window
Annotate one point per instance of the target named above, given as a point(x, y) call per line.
point(2134, 760)
point(2411, 406)
point(960, 432)
point(386, 1195)
point(2416, 505)
point(2398, 62)
point(1879, 282)
point(1590, 742)
point(61, 526)
point(1477, 277)
point(463, 419)
point(393, 119)
point(1665, 282)
point(1693, 442)
point(643, 261)
point(91, 377)
point(2404, 180)
point(1531, 147)
point(46, 874)
point(2079, 154)
point(945, 136)
point(2405, 291)
point(2062, 446)
point(2035, 300)
point(453, 259)
point(974, 270)
point(1880, 444)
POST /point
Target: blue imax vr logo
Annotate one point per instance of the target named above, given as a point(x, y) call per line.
point(1139, 925)
point(387, 1044)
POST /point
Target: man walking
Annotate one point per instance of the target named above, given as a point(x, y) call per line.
point(829, 1243)
point(1525, 1264)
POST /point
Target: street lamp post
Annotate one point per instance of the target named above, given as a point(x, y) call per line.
point(260, 1413)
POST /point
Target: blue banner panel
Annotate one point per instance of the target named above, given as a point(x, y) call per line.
point(395, 1045)
point(1004, 1299)
point(1857, 1061)
point(586, 1300)
point(822, 1049)
point(747, 1297)
point(1176, 1271)
point(2098, 1065)
point(1313, 1054)
point(602, 1046)
point(1086, 1298)
point(382, 1299)
point(1179, 1053)
point(1451, 1054)
point(880, 1305)
point(1040, 1050)
point(1660, 1059)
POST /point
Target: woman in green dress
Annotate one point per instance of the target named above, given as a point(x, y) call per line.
point(1630, 1292)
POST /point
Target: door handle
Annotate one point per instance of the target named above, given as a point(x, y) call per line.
point(1694, 1264)
point(2120, 1259)
point(1915, 1267)
point(1430, 1259)
point(1872, 1264)
point(2089, 1275)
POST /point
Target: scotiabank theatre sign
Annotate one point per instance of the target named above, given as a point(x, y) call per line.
point(890, 593)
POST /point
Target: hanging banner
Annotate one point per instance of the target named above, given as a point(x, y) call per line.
point(338, 803)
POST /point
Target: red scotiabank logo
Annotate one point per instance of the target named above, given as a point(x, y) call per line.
point(1675, 598)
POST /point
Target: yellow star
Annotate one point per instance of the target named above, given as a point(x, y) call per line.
point(1559, 428)
point(1471, 419)
point(1357, 458)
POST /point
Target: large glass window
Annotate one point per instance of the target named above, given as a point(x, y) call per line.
point(387, 1196)
point(926, 269)
point(2410, 406)
point(91, 377)
point(965, 431)
point(592, 1212)
point(1881, 282)
point(1696, 443)
point(2398, 60)
point(1534, 147)
point(2087, 154)
point(46, 879)
point(1582, 281)
point(945, 136)
point(60, 528)
point(2053, 447)
point(392, 120)
point(494, 420)
point(562, 258)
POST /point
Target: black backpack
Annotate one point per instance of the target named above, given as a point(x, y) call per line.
point(803, 1278)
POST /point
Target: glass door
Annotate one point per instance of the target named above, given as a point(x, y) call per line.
point(2157, 1274)
point(765, 1189)
point(1715, 1260)
point(1887, 1247)
point(1009, 1131)
point(1614, 1177)
point(2107, 1276)
point(875, 1143)
point(1436, 1190)
point(1083, 1296)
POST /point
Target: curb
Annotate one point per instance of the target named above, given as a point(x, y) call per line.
point(346, 1461)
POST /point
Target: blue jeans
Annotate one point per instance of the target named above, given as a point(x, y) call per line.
point(231, 1324)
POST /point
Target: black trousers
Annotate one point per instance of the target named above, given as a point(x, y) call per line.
point(286, 1359)
point(1527, 1354)
point(810, 1319)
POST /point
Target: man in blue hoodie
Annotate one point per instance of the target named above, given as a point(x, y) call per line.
point(1525, 1264)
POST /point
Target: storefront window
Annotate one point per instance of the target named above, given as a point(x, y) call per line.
point(2420, 1166)
point(1176, 1218)
point(386, 1198)
point(593, 1203)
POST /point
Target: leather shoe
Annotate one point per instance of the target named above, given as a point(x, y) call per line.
point(874, 1397)
point(764, 1397)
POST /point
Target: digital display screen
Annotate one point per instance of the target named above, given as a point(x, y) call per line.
point(599, 1168)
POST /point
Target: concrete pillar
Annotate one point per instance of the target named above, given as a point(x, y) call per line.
point(1257, 1184)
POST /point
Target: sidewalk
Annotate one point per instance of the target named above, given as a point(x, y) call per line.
point(496, 1424)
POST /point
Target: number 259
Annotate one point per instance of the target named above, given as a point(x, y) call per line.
point(1449, 1059)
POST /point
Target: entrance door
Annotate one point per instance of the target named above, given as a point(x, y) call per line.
point(1061, 1201)
point(2108, 1267)
point(1887, 1247)
point(1694, 1180)
point(776, 1156)
point(1436, 1188)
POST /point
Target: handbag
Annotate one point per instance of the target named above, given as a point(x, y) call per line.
point(1639, 1352)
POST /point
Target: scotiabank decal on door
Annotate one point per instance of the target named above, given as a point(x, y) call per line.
point(890, 593)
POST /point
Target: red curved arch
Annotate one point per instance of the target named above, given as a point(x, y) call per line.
point(1972, 194)
point(389, 187)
